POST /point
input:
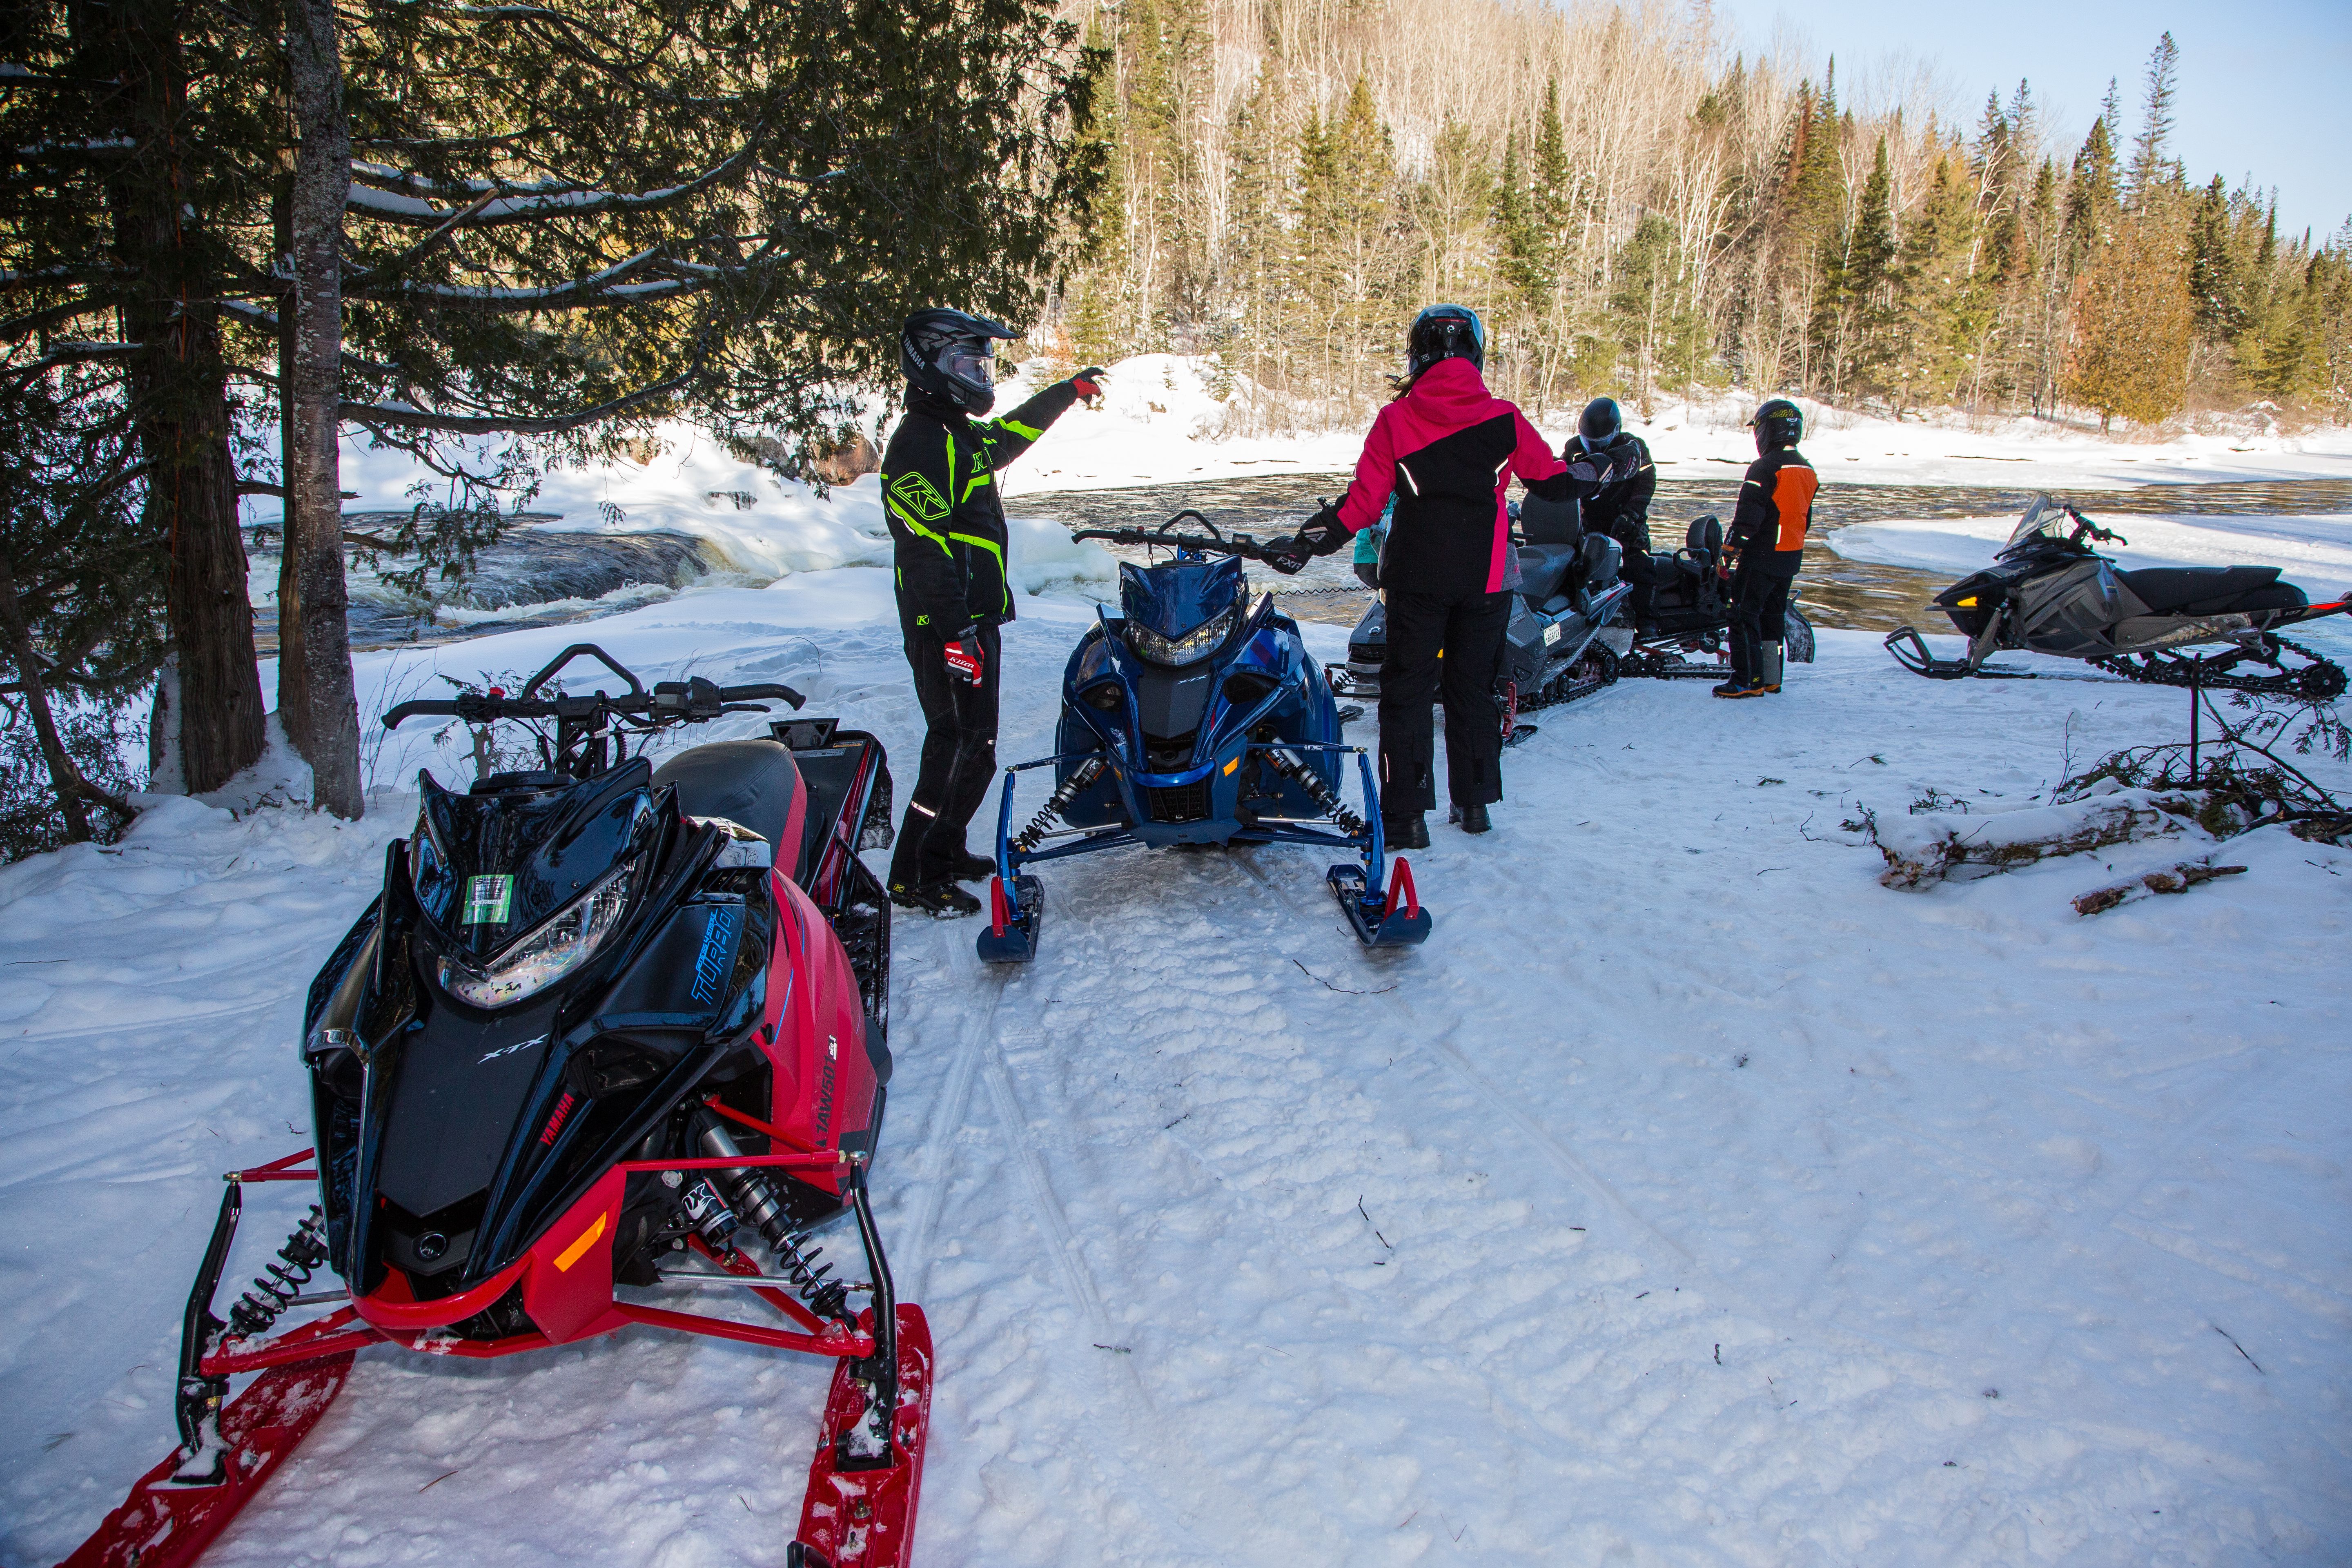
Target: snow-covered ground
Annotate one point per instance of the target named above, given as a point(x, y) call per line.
point(1689, 1198)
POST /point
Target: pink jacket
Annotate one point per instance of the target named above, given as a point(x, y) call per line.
point(1447, 450)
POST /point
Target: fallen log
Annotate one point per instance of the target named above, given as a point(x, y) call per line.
point(2177, 878)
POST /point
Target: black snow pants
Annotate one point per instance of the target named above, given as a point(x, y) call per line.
point(1760, 614)
point(959, 756)
point(1469, 631)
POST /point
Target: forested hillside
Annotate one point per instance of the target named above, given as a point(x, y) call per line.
point(1637, 209)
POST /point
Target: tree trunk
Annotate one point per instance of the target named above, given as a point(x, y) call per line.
point(179, 393)
point(315, 699)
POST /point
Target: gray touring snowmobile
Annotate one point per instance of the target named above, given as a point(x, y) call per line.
point(2049, 592)
point(1559, 646)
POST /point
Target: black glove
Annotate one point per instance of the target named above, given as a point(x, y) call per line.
point(1088, 382)
point(1288, 557)
point(966, 659)
point(1324, 532)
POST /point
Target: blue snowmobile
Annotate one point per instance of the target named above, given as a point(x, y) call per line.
point(1195, 717)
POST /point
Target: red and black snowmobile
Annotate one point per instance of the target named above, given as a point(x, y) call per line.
point(605, 1024)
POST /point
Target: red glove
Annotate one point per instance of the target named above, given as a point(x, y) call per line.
point(965, 659)
point(1088, 382)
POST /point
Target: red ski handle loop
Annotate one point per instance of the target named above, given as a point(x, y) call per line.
point(999, 915)
point(1401, 891)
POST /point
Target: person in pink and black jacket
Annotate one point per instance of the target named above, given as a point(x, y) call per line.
point(1446, 449)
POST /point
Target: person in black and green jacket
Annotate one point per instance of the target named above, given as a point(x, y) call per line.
point(938, 491)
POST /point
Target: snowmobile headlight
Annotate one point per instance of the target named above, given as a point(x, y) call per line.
point(1190, 648)
point(562, 943)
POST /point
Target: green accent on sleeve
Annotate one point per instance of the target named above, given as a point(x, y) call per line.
point(1026, 432)
point(909, 518)
point(978, 480)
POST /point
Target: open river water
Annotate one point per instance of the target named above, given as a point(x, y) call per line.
point(536, 578)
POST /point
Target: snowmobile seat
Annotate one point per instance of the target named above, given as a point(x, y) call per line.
point(1555, 523)
point(1706, 537)
point(2212, 590)
point(1544, 571)
point(755, 783)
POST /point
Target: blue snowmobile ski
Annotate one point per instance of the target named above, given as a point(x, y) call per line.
point(1196, 717)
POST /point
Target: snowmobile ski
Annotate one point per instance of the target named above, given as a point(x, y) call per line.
point(860, 1512)
point(168, 1521)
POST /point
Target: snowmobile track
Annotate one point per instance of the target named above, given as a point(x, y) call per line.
point(948, 1117)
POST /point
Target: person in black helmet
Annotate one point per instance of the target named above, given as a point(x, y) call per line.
point(1768, 534)
point(939, 493)
point(1444, 451)
point(1620, 509)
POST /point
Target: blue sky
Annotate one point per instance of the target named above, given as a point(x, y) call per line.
point(2265, 87)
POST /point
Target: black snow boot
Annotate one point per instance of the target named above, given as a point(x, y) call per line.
point(1474, 819)
point(941, 901)
point(1409, 831)
point(972, 867)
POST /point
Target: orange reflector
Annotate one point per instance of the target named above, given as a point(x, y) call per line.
point(1231, 766)
point(579, 1249)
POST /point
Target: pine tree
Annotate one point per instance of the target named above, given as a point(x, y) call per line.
point(1350, 236)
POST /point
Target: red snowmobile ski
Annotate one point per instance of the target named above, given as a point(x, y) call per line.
point(605, 1025)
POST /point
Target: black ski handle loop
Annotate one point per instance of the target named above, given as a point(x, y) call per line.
point(580, 650)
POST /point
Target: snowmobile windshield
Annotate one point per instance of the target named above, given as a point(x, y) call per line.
point(1181, 611)
point(2046, 518)
point(492, 865)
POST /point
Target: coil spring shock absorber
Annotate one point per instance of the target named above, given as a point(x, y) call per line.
point(757, 1201)
point(1039, 825)
point(274, 1290)
point(1318, 792)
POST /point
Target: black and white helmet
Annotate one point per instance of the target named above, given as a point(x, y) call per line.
point(1444, 332)
point(1778, 423)
point(947, 354)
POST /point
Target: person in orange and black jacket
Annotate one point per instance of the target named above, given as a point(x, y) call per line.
point(1767, 531)
point(947, 522)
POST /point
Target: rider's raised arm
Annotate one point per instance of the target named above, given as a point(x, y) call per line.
point(1010, 434)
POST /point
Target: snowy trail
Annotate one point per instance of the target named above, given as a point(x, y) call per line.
point(1689, 1198)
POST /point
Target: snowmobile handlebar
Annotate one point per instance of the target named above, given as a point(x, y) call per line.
point(688, 702)
point(1216, 542)
point(2085, 527)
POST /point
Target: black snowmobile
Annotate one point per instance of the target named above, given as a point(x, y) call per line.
point(2049, 592)
point(1688, 612)
point(605, 1025)
point(1558, 645)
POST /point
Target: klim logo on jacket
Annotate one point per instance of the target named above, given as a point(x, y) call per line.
point(919, 496)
